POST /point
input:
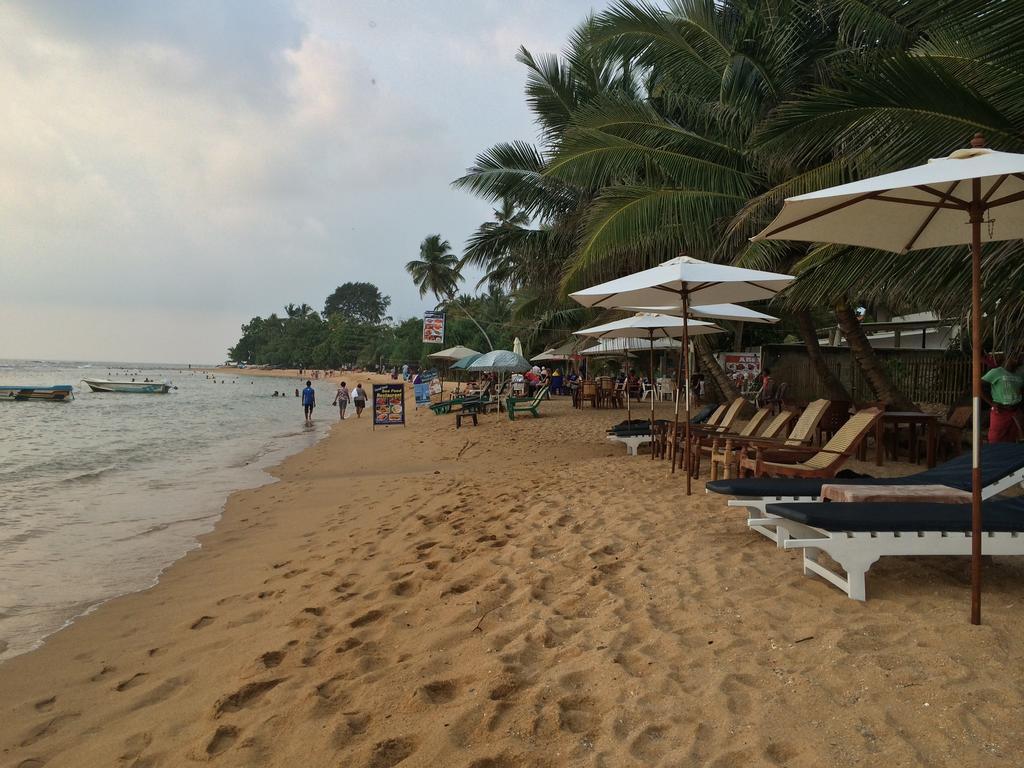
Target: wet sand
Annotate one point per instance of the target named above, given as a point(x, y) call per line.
point(516, 594)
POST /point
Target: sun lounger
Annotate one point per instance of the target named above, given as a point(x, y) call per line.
point(706, 443)
point(1002, 467)
point(824, 462)
point(856, 535)
point(529, 405)
point(725, 449)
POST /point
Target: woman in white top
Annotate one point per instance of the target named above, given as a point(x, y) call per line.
point(359, 399)
point(341, 400)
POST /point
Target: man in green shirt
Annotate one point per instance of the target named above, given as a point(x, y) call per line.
point(1001, 389)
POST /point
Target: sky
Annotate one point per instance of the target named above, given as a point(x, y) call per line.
point(169, 170)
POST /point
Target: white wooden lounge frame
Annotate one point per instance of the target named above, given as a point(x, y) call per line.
point(632, 442)
point(764, 523)
point(857, 551)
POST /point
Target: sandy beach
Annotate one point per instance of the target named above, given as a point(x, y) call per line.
point(516, 594)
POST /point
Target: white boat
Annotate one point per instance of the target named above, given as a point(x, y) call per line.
point(139, 387)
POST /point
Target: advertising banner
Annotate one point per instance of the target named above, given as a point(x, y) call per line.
point(388, 405)
point(422, 394)
point(433, 327)
point(742, 367)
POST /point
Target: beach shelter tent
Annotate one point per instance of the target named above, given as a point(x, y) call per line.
point(925, 207)
point(648, 325)
point(687, 281)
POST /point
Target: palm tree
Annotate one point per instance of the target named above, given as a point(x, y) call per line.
point(437, 271)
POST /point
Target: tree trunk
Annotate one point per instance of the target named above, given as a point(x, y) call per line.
point(834, 388)
point(711, 366)
point(866, 359)
point(453, 300)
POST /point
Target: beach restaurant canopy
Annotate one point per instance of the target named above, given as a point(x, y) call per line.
point(687, 281)
point(563, 351)
point(453, 353)
point(943, 202)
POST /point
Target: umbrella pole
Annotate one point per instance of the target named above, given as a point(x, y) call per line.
point(977, 213)
point(686, 385)
point(629, 417)
point(675, 425)
point(652, 392)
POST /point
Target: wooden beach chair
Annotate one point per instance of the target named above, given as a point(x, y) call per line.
point(705, 442)
point(675, 441)
point(824, 462)
point(855, 535)
point(725, 449)
point(514, 405)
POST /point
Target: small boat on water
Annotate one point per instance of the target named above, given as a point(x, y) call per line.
point(139, 387)
point(59, 393)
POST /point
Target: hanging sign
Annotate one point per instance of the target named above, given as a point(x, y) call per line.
point(433, 327)
point(388, 405)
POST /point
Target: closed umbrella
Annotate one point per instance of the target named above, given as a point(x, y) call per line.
point(925, 207)
point(687, 281)
point(517, 346)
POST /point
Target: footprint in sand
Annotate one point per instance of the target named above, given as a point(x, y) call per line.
point(202, 621)
point(272, 659)
point(45, 705)
point(348, 645)
point(440, 691)
point(131, 682)
point(577, 714)
point(367, 618)
point(245, 696)
point(391, 752)
point(48, 728)
point(222, 739)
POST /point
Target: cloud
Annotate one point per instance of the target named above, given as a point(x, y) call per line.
point(194, 159)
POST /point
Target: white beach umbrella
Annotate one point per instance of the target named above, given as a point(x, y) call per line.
point(453, 353)
point(943, 202)
point(517, 346)
point(713, 312)
point(649, 325)
point(687, 281)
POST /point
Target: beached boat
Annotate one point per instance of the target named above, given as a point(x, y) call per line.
point(59, 393)
point(139, 387)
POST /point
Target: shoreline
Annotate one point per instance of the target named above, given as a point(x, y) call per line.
point(518, 593)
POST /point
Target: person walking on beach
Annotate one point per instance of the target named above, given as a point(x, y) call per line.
point(1001, 388)
point(359, 399)
point(308, 401)
point(341, 400)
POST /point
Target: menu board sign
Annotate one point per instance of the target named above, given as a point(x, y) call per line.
point(433, 327)
point(388, 405)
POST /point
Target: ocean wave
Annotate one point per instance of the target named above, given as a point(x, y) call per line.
point(93, 474)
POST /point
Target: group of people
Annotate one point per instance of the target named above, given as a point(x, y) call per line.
point(357, 396)
point(540, 376)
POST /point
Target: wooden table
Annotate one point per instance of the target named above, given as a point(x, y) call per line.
point(911, 419)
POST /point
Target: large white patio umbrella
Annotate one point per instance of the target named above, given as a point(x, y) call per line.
point(714, 312)
point(943, 202)
point(687, 281)
point(649, 326)
point(453, 353)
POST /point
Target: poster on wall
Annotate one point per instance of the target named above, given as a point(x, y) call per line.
point(742, 368)
point(388, 405)
point(433, 327)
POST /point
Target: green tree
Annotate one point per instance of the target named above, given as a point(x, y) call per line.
point(437, 271)
point(361, 303)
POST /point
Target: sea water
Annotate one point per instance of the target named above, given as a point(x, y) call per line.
point(99, 495)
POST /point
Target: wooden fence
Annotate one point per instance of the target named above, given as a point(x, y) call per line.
point(925, 376)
